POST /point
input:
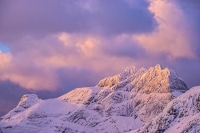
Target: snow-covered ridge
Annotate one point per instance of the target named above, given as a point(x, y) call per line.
point(25, 102)
point(28, 100)
point(120, 103)
point(155, 79)
point(181, 115)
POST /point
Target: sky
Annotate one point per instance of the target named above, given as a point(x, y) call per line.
point(50, 47)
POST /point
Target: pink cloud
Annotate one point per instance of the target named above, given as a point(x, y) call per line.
point(35, 66)
point(5, 59)
point(34, 63)
point(172, 36)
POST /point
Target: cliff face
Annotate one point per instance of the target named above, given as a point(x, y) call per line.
point(120, 103)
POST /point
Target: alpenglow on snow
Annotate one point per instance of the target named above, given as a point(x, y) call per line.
point(134, 101)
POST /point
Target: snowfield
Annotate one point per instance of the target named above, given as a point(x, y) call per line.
point(181, 115)
point(134, 101)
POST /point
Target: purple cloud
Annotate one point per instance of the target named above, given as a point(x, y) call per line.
point(55, 46)
point(48, 16)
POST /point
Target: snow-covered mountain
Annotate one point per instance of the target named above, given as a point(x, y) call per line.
point(181, 115)
point(136, 100)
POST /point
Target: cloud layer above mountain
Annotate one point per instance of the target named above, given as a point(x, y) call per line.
point(52, 45)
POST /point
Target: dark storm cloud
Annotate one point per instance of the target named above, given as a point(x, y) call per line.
point(36, 17)
point(126, 48)
point(73, 77)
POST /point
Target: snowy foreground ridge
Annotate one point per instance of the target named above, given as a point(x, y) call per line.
point(134, 101)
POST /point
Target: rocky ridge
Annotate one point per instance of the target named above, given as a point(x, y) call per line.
point(120, 103)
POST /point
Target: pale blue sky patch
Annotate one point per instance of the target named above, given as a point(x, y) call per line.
point(4, 48)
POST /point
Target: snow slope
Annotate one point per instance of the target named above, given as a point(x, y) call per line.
point(120, 103)
point(181, 115)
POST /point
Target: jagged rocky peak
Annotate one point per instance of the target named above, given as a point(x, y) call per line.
point(114, 80)
point(154, 79)
point(157, 79)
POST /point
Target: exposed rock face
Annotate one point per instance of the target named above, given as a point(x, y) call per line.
point(121, 103)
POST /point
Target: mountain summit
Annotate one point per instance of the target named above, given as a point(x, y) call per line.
point(155, 79)
point(121, 103)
